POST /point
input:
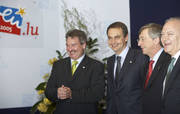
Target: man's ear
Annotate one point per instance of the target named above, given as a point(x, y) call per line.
point(84, 46)
point(126, 38)
point(156, 40)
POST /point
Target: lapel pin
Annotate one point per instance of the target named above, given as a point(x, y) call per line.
point(130, 61)
point(83, 67)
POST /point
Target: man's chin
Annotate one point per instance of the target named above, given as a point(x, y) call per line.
point(144, 53)
point(72, 57)
point(166, 50)
point(114, 49)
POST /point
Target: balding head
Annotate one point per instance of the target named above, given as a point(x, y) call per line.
point(170, 35)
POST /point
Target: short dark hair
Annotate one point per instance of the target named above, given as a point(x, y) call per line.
point(77, 33)
point(118, 25)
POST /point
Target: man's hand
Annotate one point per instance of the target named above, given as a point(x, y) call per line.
point(63, 92)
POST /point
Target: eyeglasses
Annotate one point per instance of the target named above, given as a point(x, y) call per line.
point(167, 34)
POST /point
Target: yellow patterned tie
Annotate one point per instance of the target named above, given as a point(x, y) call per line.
point(74, 63)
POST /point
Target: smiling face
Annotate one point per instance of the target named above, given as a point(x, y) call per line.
point(170, 36)
point(116, 40)
point(74, 48)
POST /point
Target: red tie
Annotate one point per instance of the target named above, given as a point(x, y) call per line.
point(149, 72)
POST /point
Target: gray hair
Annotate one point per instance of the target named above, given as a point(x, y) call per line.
point(172, 19)
point(154, 30)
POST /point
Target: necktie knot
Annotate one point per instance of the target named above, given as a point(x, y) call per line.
point(118, 58)
point(74, 63)
point(171, 65)
point(172, 61)
point(151, 62)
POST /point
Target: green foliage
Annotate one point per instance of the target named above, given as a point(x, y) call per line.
point(51, 109)
point(60, 56)
point(44, 105)
point(74, 20)
point(41, 86)
point(34, 108)
point(91, 44)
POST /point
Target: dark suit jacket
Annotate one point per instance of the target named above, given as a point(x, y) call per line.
point(171, 97)
point(87, 85)
point(153, 92)
point(125, 97)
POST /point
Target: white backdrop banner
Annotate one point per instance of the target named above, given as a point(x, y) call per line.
point(30, 33)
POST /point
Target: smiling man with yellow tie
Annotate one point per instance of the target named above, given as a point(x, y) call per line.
point(77, 82)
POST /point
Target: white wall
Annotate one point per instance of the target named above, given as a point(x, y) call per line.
point(23, 59)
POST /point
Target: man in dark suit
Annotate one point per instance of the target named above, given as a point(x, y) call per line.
point(124, 83)
point(170, 37)
point(76, 87)
point(149, 41)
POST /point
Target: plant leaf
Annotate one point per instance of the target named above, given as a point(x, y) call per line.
point(50, 109)
point(41, 86)
point(34, 108)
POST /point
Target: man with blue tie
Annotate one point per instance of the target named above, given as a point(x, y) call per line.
point(170, 37)
point(124, 81)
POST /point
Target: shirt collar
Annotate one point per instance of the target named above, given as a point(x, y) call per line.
point(123, 54)
point(156, 57)
point(79, 59)
point(176, 56)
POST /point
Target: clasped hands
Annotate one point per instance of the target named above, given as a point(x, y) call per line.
point(64, 92)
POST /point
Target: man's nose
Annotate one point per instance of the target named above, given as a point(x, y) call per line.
point(139, 42)
point(113, 40)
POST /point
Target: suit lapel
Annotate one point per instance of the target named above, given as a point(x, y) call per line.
point(146, 65)
point(173, 75)
point(111, 67)
point(68, 69)
point(81, 68)
point(162, 58)
point(129, 60)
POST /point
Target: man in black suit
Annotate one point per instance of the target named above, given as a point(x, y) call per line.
point(124, 83)
point(76, 87)
point(149, 41)
point(170, 37)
